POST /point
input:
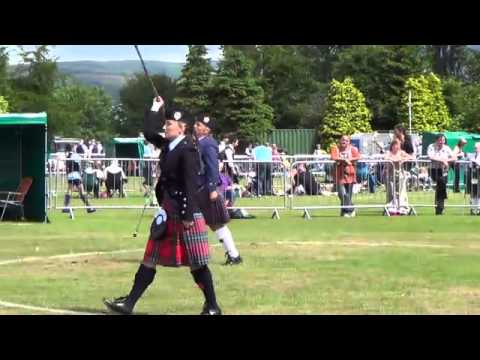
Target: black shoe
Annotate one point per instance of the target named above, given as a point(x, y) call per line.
point(211, 310)
point(91, 210)
point(233, 261)
point(119, 305)
point(66, 211)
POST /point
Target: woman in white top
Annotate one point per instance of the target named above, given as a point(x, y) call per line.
point(441, 156)
point(396, 175)
point(460, 155)
point(473, 175)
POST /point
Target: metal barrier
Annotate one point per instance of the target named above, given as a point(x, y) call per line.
point(293, 183)
point(426, 180)
point(108, 183)
point(255, 185)
point(314, 186)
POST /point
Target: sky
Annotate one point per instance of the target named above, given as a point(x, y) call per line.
point(171, 53)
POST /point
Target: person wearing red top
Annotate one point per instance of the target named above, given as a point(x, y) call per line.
point(345, 155)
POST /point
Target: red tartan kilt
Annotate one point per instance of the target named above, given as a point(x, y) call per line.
point(180, 247)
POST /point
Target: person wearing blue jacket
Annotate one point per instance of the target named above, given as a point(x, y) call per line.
point(211, 202)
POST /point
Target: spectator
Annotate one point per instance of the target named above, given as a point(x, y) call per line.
point(248, 150)
point(473, 175)
point(275, 153)
point(222, 145)
point(440, 155)
point(318, 151)
point(304, 181)
point(405, 140)
point(92, 149)
point(396, 175)
point(345, 155)
point(81, 148)
point(99, 148)
point(229, 157)
point(263, 182)
point(459, 155)
point(115, 178)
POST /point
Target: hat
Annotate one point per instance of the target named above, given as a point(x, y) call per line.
point(159, 225)
point(205, 120)
point(178, 115)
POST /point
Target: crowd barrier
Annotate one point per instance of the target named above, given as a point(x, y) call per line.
point(304, 183)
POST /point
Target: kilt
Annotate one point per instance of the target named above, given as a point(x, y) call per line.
point(214, 212)
point(179, 247)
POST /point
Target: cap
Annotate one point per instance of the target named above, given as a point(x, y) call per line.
point(178, 115)
point(206, 120)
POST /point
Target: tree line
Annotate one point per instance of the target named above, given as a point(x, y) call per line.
point(332, 88)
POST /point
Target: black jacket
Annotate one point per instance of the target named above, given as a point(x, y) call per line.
point(178, 168)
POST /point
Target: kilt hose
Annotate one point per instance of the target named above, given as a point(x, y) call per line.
point(179, 247)
point(214, 212)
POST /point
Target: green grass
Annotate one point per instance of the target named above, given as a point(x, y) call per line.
point(330, 265)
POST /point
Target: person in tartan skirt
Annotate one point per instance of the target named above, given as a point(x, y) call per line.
point(210, 200)
point(184, 242)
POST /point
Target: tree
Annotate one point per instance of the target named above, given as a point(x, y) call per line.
point(463, 102)
point(346, 112)
point(3, 105)
point(238, 101)
point(380, 73)
point(81, 111)
point(287, 82)
point(449, 60)
point(136, 95)
point(194, 83)
point(430, 112)
point(4, 71)
point(323, 58)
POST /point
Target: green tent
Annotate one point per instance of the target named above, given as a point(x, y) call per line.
point(125, 148)
point(452, 139)
point(23, 150)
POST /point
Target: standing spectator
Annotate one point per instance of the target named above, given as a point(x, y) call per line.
point(275, 153)
point(318, 151)
point(345, 155)
point(74, 178)
point(405, 140)
point(248, 150)
point(459, 155)
point(473, 175)
point(222, 145)
point(440, 155)
point(99, 148)
point(81, 148)
point(263, 155)
point(92, 148)
point(229, 157)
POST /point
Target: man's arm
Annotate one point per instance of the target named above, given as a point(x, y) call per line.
point(210, 158)
point(153, 124)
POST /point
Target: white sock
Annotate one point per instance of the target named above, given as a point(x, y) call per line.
point(225, 236)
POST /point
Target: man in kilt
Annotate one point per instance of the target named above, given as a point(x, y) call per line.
point(185, 239)
point(212, 202)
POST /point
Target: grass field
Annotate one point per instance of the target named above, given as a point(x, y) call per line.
point(330, 265)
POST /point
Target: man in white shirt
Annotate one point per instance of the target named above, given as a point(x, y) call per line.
point(440, 155)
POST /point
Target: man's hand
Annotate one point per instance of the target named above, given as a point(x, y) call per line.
point(157, 104)
point(187, 224)
point(213, 196)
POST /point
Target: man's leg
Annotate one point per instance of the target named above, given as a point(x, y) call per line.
point(143, 278)
point(349, 197)
point(67, 199)
point(341, 196)
point(85, 199)
point(203, 278)
point(225, 236)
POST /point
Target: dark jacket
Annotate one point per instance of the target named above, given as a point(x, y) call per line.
point(209, 177)
point(178, 168)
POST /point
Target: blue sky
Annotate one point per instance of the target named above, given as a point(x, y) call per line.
point(172, 53)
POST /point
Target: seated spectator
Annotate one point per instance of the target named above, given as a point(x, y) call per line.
point(304, 181)
point(115, 178)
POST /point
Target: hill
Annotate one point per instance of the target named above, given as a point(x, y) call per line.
point(111, 75)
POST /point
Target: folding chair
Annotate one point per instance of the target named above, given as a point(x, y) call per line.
point(16, 198)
